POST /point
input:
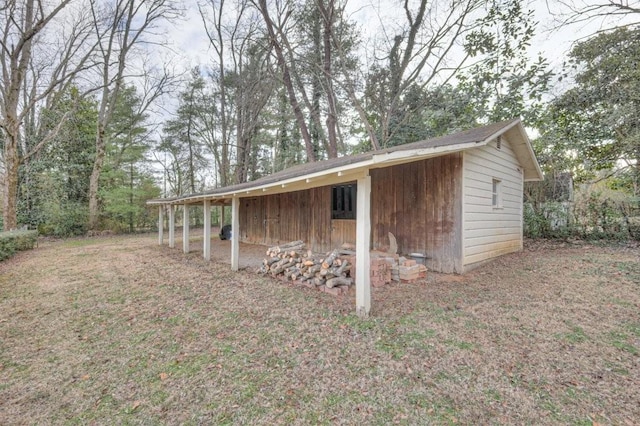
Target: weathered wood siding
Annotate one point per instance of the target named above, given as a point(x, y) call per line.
point(300, 215)
point(491, 231)
point(420, 204)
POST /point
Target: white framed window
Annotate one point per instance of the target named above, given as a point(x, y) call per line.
point(496, 193)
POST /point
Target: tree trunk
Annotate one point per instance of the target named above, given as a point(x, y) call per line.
point(94, 180)
point(328, 18)
point(286, 77)
point(10, 183)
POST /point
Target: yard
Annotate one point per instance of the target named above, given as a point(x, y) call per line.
point(117, 330)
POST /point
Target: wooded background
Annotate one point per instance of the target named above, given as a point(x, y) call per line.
point(97, 116)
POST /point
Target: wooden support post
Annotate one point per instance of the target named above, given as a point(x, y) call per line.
point(235, 233)
point(160, 224)
point(185, 228)
point(206, 249)
point(172, 226)
point(363, 238)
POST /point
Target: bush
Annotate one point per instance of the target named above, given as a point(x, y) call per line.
point(597, 212)
point(548, 220)
point(13, 241)
point(68, 219)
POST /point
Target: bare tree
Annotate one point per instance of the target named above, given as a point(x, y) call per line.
point(119, 28)
point(37, 63)
point(277, 44)
point(421, 52)
point(215, 31)
point(599, 14)
point(328, 13)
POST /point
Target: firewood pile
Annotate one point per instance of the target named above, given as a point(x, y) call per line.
point(292, 262)
point(335, 272)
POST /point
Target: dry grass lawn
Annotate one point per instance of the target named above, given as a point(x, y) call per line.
point(117, 330)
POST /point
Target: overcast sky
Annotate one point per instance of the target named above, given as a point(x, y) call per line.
point(191, 45)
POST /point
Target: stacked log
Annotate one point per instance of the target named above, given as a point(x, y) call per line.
point(292, 262)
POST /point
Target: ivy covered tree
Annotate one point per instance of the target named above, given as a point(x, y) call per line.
point(54, 183)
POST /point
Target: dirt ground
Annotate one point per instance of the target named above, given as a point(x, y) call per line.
point(119, 330)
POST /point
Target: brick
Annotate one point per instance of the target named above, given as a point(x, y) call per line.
point(335, 291)
point(409, 269)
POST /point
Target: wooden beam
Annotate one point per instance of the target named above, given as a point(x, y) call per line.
point(235, 233)
point(363, 238)
point(160, 224)
point(206, 247)
point(185, 228)
point(172, 227)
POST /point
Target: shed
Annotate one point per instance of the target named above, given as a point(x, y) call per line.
point(457, 199)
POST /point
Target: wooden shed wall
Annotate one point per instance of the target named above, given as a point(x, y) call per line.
point(300, 215)
point(420, 204)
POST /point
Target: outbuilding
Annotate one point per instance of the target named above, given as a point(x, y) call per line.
point(457, 199)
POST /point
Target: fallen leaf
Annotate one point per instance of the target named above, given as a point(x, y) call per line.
point(135, 405)
point(163, 376)
point(85, 377)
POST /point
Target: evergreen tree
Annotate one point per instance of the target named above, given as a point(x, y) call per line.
point(126, 182)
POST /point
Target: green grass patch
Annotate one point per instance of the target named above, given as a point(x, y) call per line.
point(576, 335)
point(620, 340)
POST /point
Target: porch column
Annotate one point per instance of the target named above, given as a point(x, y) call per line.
point(363, 237)
point(160, 224)
point(235, 233)
point(185, 228)
point(206, 249)
point(172, 226)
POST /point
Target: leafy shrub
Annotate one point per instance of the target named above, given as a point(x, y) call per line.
point(68, 219)
point(603, 214)
point(13, 241)
point(597, 212)
point(548, 220)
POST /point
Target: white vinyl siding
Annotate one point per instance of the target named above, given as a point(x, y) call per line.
point(490, 230)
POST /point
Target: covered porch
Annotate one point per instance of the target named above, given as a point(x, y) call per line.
point(240, 255)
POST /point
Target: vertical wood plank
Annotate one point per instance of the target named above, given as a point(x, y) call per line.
point(429, 209)
point(160, 224)
point(363, 236)
point(172, 227)
point(206, 241)
point(235, 232)
point(185, 228)
point(458, 237)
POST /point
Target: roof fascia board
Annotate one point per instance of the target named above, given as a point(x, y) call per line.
point(406, 156)
point(336, 175)
point(504, 130)
point(527, 141)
